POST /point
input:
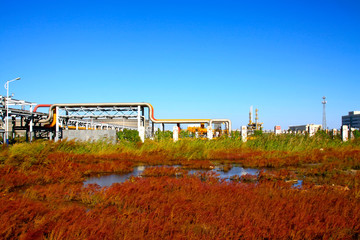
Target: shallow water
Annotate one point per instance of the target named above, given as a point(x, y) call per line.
point(298, 184)
point(108, 180)
point(236, 171)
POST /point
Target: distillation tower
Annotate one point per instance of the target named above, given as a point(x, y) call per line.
point(254, 125)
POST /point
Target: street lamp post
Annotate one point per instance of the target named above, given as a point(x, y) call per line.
point(7, 108)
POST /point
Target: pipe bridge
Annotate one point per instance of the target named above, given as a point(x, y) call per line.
point(97, 116)
point(89, 116)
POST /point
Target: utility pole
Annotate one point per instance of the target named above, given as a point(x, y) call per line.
point(7, 109)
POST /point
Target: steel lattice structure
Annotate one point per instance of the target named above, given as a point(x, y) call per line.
point(99, 112)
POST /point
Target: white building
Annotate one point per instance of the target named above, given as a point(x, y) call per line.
point(306, 127)
point(352, 120)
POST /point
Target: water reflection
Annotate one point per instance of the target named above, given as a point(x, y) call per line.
point(108, 180)
point(239, 171)
point(298, 184)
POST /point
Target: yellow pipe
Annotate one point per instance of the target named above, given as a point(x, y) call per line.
point(80, 128)
point(53, 123)
point(70, 127)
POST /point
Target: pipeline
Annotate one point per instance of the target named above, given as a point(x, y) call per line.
point(41, 105)
point(221, 121)
point(52, 115)
point(52, 124)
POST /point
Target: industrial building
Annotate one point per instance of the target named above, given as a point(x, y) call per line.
point(352, 120)
point(306, 127)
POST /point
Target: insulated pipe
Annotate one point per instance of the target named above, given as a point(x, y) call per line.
point(52, 108)
point(53, 123)
point(49, 119)
point(41, 105)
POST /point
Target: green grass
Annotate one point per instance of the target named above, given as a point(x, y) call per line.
point(291, 142)
point(188, 148)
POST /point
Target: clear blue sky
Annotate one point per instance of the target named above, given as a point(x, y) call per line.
point(189, 59)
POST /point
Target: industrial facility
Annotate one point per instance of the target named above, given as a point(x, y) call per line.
point(352, 120)
point(254, 125)
point(68, 120)
point(61, 120)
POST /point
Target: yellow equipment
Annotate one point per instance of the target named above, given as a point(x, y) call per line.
point(200, 130)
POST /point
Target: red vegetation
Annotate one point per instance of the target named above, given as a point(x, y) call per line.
point(197, 164)
point(186, 208)
point(44, 198)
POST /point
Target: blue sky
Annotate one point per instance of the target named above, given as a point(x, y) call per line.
point(189, 59)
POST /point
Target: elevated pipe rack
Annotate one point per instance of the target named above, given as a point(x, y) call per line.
point(61, 115)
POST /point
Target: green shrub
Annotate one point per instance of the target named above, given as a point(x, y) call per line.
point(163, 135)
point(258, 132)
point(26, 155)
point(356, 134)
point(185, 134)
point(293, 142)
point(129, 135)
point(236, 135)
point(323, 134)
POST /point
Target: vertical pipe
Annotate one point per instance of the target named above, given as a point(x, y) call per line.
point(57, 125)
point(7, 113)
point(209, 132)
point(31, 124)
point(141, 129)
point(175, 133)
point(152, 129)
point(243, 133)
point(13, 119)
point(138, 118)
point(143, 116)
point(344, 133)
